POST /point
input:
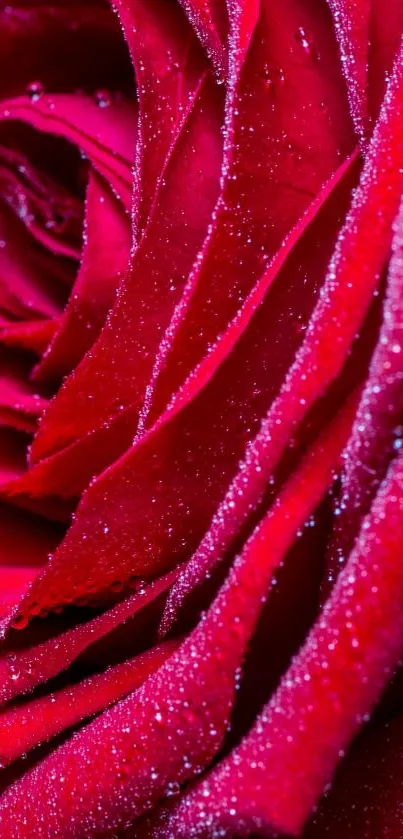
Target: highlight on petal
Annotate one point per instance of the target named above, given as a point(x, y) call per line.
point(352, 24)
point(210, 20)
point(377, 429)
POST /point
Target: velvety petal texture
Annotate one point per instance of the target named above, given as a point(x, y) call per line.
point(201, 419)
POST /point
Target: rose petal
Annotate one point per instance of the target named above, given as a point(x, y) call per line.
point(344, 300)
point(104, 260)
point(105, 135)
point(352, 23)
point(41, 663)
point(377, 429)
point(20, 406)
point(12, 454)
point(62, 47)
point(365, 800)
point(24, 727)
point(384, 43)
point(271, 781)
point(254, 147)
point(69, 471)
point(369, 38)
point(15, 582)
point(182, 711)
point(270, 333)
point(168, 66)
point(210, 21)
point(31, 335)
point(25, 543)
point(27, 284)
point(160, 477)
point(121, 359)
point(48, 209)
point(282, 104)
point(25, 540)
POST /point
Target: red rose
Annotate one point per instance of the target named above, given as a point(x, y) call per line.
point(201, 406)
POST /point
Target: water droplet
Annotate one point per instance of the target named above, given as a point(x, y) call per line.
point(35, 90)
point(190, 717)
point(268, 77)
point(173, 788)
point(102, 98)
point(305, 41)
point(273, 77)
point(20, 622)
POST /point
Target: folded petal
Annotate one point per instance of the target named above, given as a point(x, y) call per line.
point(377, 429)
point(28, 285)
point(173, 726)
point(114, 374)
point(272, 780)
point(40, 663)
point(26, 726)
point(105, 134)
point(104, 260)
point(168, 66)
point(352, 24)
point(284, 101)
point(31, 335)
point(210, 21)
point(131, 520)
